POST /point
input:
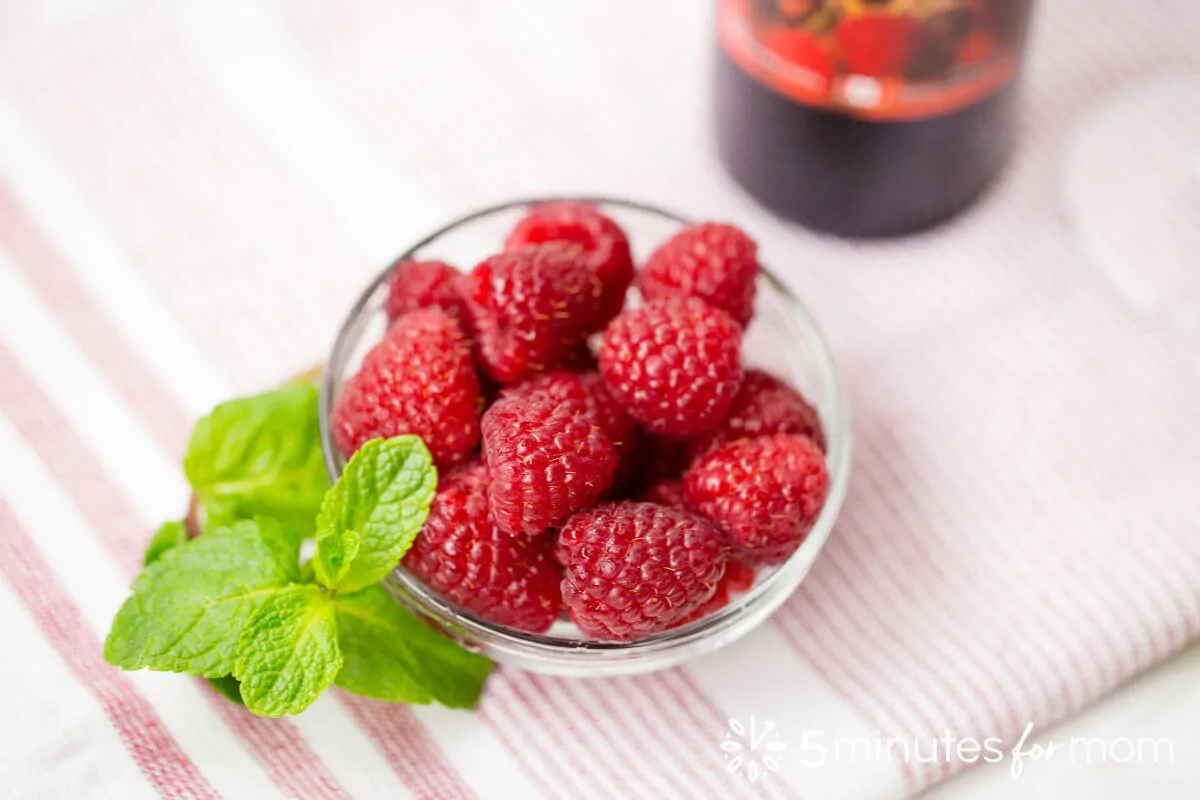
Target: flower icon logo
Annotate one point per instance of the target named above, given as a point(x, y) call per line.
point(752, 748)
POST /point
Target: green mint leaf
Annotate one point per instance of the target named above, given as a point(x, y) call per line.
point(188, 607)
point(288, 652)
point(391, 655)
point(335, 558)
point(168, 536)
point(383, 498)
point(283, 542)
point(229, 687)
point(260, 455)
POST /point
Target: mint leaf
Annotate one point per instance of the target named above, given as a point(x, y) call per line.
point(282, 542)
point(188, 607)
point(335, 558)
point(288, 652)
point(169, 535)
point(383, 498)
point(391, 655)
point(260, 455)
point(229, 687)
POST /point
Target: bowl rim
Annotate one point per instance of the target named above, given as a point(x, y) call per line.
point(765, 597)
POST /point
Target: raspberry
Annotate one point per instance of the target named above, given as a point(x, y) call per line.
point(614, 419)
point(604, 244)
point(425, 284)
point(673, 365)
point(419, 379)
point(637, 568)
point(531, 308)
point(465, 557)
point(588, 387)
point(665, 492)
point(738, 578)
point(764, 494)
point(717, 263)
point(764, 405)
point(547, 457)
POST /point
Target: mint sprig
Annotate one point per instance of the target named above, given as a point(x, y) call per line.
point(189, 607)
point(391, 655)
point(288, 652)
point(236, 605)
point(373, 514)
point(260, 455)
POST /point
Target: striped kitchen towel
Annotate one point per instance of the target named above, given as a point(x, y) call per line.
point(191, 194)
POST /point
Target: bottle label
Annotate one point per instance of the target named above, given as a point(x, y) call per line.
point(877, 59)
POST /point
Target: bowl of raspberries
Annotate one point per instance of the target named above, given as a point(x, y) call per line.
point(639, 432)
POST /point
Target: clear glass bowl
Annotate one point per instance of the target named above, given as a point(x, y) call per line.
point(782, 338)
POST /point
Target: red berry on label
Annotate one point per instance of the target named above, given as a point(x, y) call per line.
point(673, 365)
point(716, 263)
point(463, 555)
point(419, 380)
point(605, 246)
point(633, 569)
point(800, 48)
point(764, 494)
point(876, 45)
point(531, 309)
point(547, 457)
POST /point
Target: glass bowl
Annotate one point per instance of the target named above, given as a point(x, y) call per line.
point(782, 338)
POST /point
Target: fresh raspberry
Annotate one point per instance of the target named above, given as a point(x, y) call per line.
point(531, 308)
point(547, 457)
point(637, 568)
point(665, 492)
point(674, 365)
point(425, 284)
point(419, 379)
point(876, 45)
point(463, 555)
point(764, 405)
point(738, 578)
point(764, 494)
point(620, 426)
point(604, 244)
point(717, 263)
point(588, 387)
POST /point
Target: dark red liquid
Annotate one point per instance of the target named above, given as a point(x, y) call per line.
point(852, 177)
